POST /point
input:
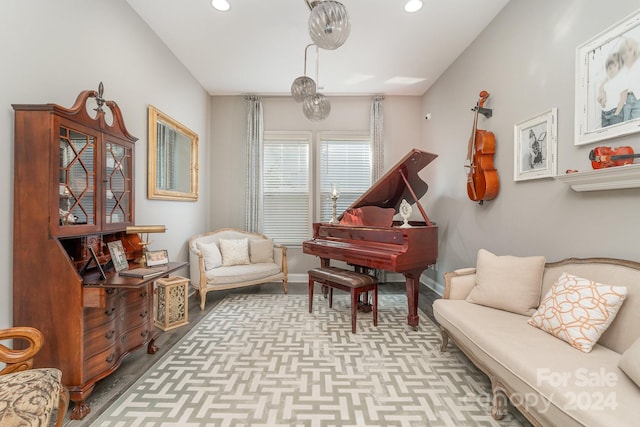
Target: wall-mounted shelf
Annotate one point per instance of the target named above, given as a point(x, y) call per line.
point(613, 178)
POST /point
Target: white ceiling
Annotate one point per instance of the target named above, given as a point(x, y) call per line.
point(257, 47)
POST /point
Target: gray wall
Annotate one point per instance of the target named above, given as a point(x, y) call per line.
point(526, 60)
point(51, 52)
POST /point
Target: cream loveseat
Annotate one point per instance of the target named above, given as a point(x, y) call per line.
point(550, 381)
point(228, 258)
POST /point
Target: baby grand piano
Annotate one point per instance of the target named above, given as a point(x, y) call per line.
point(367, 236)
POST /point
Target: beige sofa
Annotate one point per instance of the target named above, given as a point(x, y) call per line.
point(548, 380)
point(229, 258)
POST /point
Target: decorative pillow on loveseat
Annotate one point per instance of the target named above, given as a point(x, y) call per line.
point(211, 255)
point(507, 282)
point(234, 251)
point(630, 362)
point(261, 250)
point(578, 310)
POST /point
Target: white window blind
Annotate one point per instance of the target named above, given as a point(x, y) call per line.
point(286, 195)
point(346, 163)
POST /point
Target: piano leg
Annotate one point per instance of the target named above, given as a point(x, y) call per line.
point(413, 286)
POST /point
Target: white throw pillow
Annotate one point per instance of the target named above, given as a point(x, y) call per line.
point(630, 362)
point(578, 310)
point(234, 251)
point(261, 250)
point(507, 282)
point(211, 254)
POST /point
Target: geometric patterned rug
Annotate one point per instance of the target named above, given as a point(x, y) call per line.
point(265, 361)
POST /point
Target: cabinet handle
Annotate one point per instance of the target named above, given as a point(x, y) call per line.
point(111, 291)
point(110, 334)
point(143, 314)
point(144, 333)
point(143, 293)
point(110, 311)
point(123, 338)
point(110, 358)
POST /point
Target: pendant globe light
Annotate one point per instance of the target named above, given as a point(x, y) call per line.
point(316, 107)
point(303, 86)
point(329, 24)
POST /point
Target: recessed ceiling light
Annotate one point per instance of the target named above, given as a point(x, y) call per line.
point(221, 5)
point(413, 6)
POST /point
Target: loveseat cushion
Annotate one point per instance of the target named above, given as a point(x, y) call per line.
point(507, 282)
point(630, 362)
point(241, 273)
point(566, 387)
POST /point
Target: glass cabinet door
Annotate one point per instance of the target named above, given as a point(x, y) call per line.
point(118, 204)
point(76, 182)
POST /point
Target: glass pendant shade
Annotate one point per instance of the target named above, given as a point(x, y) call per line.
point(316, 107)
point(303, 87)
point(329, 24)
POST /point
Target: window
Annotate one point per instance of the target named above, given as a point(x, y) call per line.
point(288, 199)
point(286, 187)
point(345, 162)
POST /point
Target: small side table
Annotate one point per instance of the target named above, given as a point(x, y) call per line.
point(172, 305)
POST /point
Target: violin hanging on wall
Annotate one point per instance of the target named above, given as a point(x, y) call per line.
point(606, 157)
point(482, 177)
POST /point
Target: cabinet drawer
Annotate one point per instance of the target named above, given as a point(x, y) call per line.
point(134, 337)
point(100, 362)
point(100, 338)
point(132, 298)
point(94, 317)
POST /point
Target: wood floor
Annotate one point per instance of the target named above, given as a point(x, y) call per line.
point(134, 365)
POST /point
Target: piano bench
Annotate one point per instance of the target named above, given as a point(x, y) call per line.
point(346, 280)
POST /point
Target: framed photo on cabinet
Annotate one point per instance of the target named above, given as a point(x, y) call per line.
point(608, 83)
point(536, 146)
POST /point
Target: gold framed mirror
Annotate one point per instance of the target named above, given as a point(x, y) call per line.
point(173, 159)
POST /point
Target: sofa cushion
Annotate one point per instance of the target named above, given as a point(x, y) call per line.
point(211, 254)
point(630, 362)
point(507, 282)
point(261, 250)
point(578, 310)
point(234, 251)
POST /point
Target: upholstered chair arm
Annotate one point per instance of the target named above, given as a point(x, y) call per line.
point(19, 360)
point(458, 283)
point(196, 267)
point(280, 258)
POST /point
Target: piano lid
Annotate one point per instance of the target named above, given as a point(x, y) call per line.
point(390, 189)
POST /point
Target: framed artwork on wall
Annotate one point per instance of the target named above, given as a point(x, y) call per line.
point(536, 146)
point(608, 83)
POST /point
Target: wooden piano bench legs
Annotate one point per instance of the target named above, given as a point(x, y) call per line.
point(350, 281)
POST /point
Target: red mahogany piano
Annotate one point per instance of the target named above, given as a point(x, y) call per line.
point(367, 236)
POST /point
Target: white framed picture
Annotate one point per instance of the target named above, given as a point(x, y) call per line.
point(608, 83)
point(536, 146)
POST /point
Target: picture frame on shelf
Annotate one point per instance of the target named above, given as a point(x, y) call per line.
point(605, 104)
point(536, 147)
point(158, 257)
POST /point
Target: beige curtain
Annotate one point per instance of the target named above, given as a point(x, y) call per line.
point(255, 135)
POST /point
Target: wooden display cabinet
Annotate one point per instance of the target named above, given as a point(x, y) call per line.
point(73, 190)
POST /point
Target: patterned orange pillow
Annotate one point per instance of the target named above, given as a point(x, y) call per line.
point(578, 310)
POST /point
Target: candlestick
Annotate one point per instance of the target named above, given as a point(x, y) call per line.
point(335, 194)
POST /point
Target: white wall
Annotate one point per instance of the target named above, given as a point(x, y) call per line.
point(51, 52)
point(526, 60)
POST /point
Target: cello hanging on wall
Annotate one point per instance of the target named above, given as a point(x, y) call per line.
point(482, 177)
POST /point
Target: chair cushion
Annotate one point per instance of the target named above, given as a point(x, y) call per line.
point(30, 398)
point(507, 282)
point(242, 273)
